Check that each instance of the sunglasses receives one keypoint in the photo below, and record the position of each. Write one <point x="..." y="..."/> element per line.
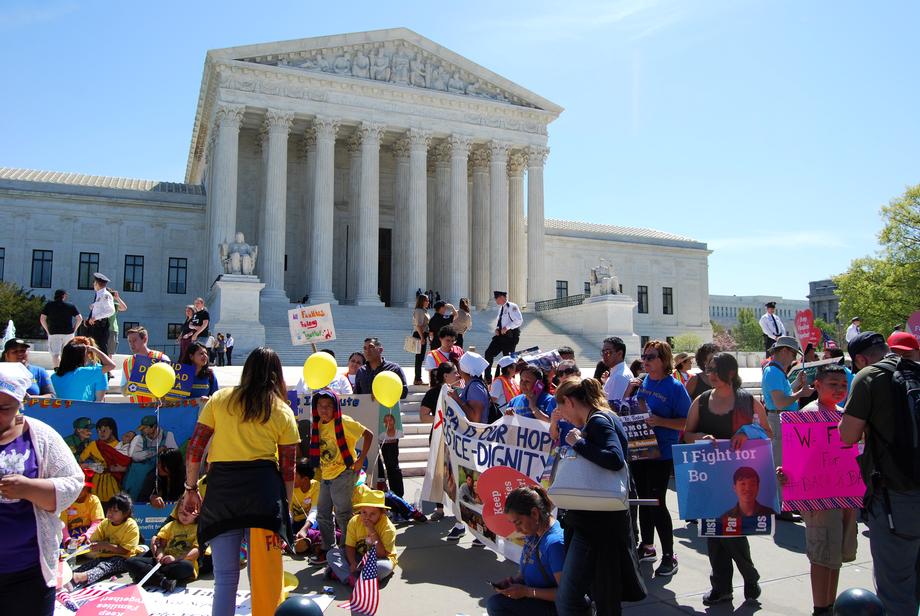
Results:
<point x="650" y="356"/>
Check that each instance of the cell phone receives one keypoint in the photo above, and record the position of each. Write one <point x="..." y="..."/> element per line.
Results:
<point x="538" y="388"/>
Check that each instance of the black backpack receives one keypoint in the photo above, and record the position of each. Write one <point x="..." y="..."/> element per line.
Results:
<point x="905" y="450"/>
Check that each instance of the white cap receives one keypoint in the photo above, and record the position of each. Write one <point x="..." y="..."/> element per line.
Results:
<point x="473" y="363"/>
<point x="15" y="379"/>
<point x="505" y="361"/>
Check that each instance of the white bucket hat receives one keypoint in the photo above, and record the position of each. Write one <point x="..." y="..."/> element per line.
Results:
<point x="473" y="364"/>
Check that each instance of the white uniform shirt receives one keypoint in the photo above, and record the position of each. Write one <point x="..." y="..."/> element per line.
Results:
<point x="104" y="306"/>
<point x="616" y="383"/>
<point x="852" y="331"/>
<point x="772" y="325"/>
<point x="511" y="318"/>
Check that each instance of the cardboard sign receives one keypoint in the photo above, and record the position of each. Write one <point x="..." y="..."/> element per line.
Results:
<point x="311" y="324"/>
<point x="495" y="484"/>
<point x="806" y="329"/>
<point x="713" y="480"/>
<point x="128" y="600"/>
<point x="643" y="445"/>
<point x="913" y="324"/>
<point x="185" y="376"/>
<point x="822" y="471"/>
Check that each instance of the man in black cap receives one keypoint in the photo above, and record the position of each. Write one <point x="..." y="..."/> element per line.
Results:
<point x="772" y="327"/>
<point x="874" y="412"/>
<point x="100" y="311"/>
<point x="507" y="330"/>
<point x="853" y="330"/>
<point x="60" y="319"/>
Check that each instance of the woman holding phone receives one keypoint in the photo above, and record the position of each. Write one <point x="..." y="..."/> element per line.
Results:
<point x="534" y="400"/>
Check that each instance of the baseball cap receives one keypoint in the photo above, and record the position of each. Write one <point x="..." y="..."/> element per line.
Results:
<point x="82" y="423"/>
<point x="15" y="379"/>
<point x="14" y="343"/>
<point x="903" y="341"/>
<point x="863" y="341"/>
<point x="149" y="421"/>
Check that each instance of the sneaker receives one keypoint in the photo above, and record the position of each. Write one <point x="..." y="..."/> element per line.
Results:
<point x="418" y="516"/>
<point x="647" y="553"/>
<point x="478" y="544"/>
<point x="318" y="559"/>
<point x="327" y="574"/>
<point x="751" y="592"/>
<point x="712" y="598"/>
<point x="168" y="585"/>
<point x="437" y="515"/>
<point x="668" y="566"/>
<point x="455" y="533"/>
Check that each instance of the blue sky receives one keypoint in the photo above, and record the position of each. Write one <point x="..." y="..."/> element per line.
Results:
<point x="772" y="130"/>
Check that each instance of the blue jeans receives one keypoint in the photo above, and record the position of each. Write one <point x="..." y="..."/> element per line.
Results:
<point x="577" y="575"/>
<point x="225" y="554"/>
<point x="500" y="605"/>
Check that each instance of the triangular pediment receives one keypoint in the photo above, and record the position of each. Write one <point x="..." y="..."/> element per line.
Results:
<point x="399" y="57"/>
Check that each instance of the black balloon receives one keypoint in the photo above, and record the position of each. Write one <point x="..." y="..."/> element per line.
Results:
<point x="858" y="602"/>
<point x="298" y="606"/>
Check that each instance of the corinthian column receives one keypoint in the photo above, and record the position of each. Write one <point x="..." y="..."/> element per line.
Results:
<point x="368" y="227"/>
<point x="274" y="211"/>
<point x="222" y="192"/>
<point x="402" y="230"/>
<point x="458" y="276"/>
<point x="309" y="146"/>
<point x="349" y="286"/>
<point x="479" y="241"/>
<point x="498" y="200"/>
<point x="517" y="248"/>
<point x="536" y="260"/>
<point x="441" y="222"/>
<point x="321" y="240"/>
<point x="416" y="213"/>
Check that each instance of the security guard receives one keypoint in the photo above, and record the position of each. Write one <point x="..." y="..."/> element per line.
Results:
<point x="507" y="330"/>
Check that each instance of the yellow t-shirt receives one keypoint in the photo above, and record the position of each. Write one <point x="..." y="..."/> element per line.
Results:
<point x="180" y="539"/>
<point x="356" y="535"/>
<point x="302" y="502"/>
<point x="126" y="535"/>
<point x="237" y="441"/>
<point x="330" y="459"/>
<point x="80" y="516"/>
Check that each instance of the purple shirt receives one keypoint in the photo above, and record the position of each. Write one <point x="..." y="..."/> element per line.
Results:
<point x="19" y="548"/>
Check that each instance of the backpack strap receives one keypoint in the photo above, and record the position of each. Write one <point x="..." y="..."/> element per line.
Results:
<point x="546" y="576"/>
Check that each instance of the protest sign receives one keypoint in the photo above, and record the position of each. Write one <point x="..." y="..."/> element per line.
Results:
<point x="643" y="445"/>
<point x="461" y="451"/>
<point x="821" y="469"/>
<point x="136" y="381"/>
<point x="311" y="324"/>
<point x="495" y="484"/>
<point x="127" y="600"/>
<point x="913" y="324"/>
<point x="713" y="480"/>
<point x="728" y="526"/>
<point x="806" y="329"/>
<point x="811" y="369"/>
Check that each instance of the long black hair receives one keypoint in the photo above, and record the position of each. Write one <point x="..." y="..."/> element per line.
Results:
<point x="187" y="358"/>
<point x="172" y="484"/>
<point x="108" y="422"/>
<point x="524" y="500"/>
<point x="261" y="383"/>
<point x="73" y="356"/>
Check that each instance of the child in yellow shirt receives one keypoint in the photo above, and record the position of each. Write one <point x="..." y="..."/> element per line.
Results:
<point x="175" y="547"/>
<point x="303" y="515"/>
<point x="370" y="526"/>
<point x="112" y="543"/>
<point x="82" y="518"/>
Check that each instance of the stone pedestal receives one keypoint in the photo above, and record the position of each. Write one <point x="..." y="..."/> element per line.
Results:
<point x="233" y="303"/>
<point x="598" y="318"/>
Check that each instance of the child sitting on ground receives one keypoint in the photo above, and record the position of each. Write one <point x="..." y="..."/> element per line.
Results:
<point x="830" y="535"/>
<point x="303" y="516"/>
<point x="370" y="526"/>
<point x="83" y="517"/>
<point x="175" y="547"/>
<point x="114" y="541"/>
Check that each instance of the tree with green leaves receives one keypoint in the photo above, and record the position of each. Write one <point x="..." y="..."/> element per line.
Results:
<point x="23" y="308"/>
<point x="687" y="343"/>
<point x="747" y="333"/>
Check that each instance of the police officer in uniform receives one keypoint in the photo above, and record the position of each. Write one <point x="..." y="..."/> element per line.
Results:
<point x="507" y="330"/>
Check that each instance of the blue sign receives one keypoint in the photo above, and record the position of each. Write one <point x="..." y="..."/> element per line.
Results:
<point x="137" y="384"/>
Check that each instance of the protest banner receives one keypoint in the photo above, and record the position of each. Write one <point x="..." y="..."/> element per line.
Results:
<point x="805" y="328"/>
<point x="821" y="469"/>
<point x="913" y="324"/>
<point x="729" y="526"/>
<point x="461" y="451"/>
<point x="643" y="445"/>
<point x="811" y="369"/>
<point x="137" y="384"/>
<point x="713" y="480"/>
<point x="311" y="324"/>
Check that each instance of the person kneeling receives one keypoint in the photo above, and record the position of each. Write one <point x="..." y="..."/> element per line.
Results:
<point x="370" y="526"/>
<point x="175" y="548"/>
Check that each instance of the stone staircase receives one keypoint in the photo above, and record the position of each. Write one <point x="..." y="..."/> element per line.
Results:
<point x="413" y="447"/>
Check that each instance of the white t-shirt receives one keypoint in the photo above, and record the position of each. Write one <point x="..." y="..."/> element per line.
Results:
<point x="620" y="376"/>
<point x="497" y="391"/>
<point x="340" y="385"/>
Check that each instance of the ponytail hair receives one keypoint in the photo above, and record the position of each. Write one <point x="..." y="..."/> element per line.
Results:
<point x="524" y="500"/>
<point x="586" y="391"/>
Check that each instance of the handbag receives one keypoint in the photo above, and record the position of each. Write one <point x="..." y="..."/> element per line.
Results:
<point x="412" y="345"/>
<point x="579" y="484"/>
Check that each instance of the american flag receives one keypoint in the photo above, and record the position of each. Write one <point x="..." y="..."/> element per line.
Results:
<point x="75" y="599"/>
<point x="366" y="596"/>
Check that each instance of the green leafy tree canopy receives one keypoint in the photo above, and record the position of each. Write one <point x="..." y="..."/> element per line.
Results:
<point x="23" y="308"/>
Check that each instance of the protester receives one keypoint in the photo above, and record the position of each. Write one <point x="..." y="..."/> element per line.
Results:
<point x="699" y="382"/>
<point x="834" y="352"/>
<point x="566" y="353"/>
<point x="420" y="332"/>
<point x="566" y="370"/>
<point x="600" y="558"/>
<point x="204" y="383"/>
<point x="364" y="379"/>
<point x="370" y="527"/>
<point x="445" y="351"/>
<point x="101" y="310"/>
<point x="534" y="400"/>
<point x="17" y="350"/>
<point x="137" y="342"/>
<point x="229" y="343"/>
<point x="145" y="447"/>
<point x="444" y="314"/>
<point x="175" y="549"/>
<point x="613" y="354"/>
<point x="200" y="322"/>
<point x="355" y="361"/>
<point x="720" y="413"/>
<point x="463" y="321"/>
<point x="389" y="455"/>
<point x="113" y="542"/>
<point x="853" y="330"/>
<point x="253" y="437"/>
<point x="82" y="517"/>
<point x="772" y="327"/>
<point x="830" y="534"/>
<point x="107" y="463"/>
<point x="446" y="373"/>
<point x="164" y="484"/>
<point x="120" y="306"/>
<point x="682" y="368"/>
<point x="221" y="349"/>
<point x="41" y="480"/>
<point x="78" y="377"/>
<point x="333" y="438"/>
<point x="533" y="591"/>
<point x="60" y="319"/>
<point x="303" y="515"/>
<point x="507" y="330"/>
<point x="878" y="412"/>
<point x="504" y="387"/>
<point x="905" y="345"/>
<point x="185" y="334"/>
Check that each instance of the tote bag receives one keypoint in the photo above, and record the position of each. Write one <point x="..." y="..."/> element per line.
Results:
<point x="412" y="345"/>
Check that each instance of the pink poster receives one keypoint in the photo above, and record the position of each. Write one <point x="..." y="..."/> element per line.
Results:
<point x="821" y="470"/>
<point x="805" y="327"/>
<point x="913" y="324"/>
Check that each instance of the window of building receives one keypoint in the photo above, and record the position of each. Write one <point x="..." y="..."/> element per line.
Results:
<point x="667" y="300"/>
<point x="89" y="265"/>
<point x="134" y="273"/>
<point x="562" y="288"/>
<point x="2" y="261"/>
<point x="178" y="272"/>
<point x="644" y="340"/>
<point x="642" y="297"/>
<point x="41" y="268"/>
<point x="587" y="288"/>
<point x="173" y="330"/>
<point x="126" y="325"/>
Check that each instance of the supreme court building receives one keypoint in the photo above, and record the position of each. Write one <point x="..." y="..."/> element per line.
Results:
<point x="364" y="166"/>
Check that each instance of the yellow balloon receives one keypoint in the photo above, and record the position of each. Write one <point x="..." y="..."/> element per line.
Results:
<point x="160" y="379"/>
<point x="319" y="370"/>
<point x="387" y="388"/>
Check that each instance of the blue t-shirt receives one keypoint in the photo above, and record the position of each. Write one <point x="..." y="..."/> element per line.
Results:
<point x="80" y="384"/>
<point x="40" y="380"/>
<point x="551" y="550"/>
<point x="774" y="379"/>
<point x="19" y="548"/>
<point x="519" y="404"/>
<point x="203" y="386"/>
<point x="476" y="390"/>
<point x="669" y="399"/>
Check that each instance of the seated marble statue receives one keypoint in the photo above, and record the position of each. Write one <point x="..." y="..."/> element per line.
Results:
<point x="238" y="257"/>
